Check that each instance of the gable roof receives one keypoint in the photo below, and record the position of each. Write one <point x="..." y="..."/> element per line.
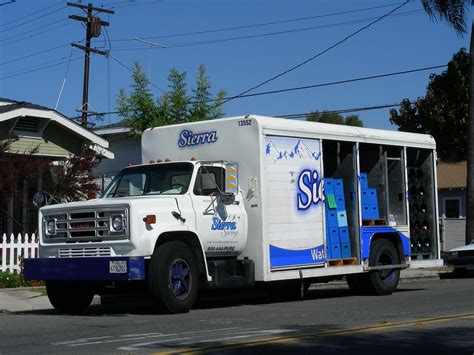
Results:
<point x="119" y="127"/>
<point x="11" y="109"/>
<point x="451" y="175"/>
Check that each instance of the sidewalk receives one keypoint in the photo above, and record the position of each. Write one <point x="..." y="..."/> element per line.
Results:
<point x="31" y="299"/>
<point x="23" y="299"/>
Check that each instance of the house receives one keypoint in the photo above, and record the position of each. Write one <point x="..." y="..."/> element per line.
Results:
<point x="127" y="151"/>
<point x="452" y="180"/>
<point x="52" y="135"/>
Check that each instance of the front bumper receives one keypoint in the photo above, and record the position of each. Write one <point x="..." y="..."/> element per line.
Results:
<point x="120" y="268"/>
<point x="466" y="262"/>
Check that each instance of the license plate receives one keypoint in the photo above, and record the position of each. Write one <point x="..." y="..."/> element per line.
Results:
<point x="118" y="267"/>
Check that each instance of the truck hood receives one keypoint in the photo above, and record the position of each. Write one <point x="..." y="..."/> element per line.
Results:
<point x="102" y="202"/>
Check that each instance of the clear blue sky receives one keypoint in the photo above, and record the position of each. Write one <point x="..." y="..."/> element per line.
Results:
<point x="406" y="41"/>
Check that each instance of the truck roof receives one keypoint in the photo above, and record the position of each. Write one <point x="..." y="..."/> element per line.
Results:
<point x="283" y="127"/>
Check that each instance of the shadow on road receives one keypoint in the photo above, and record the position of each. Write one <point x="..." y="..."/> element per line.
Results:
<point x="417" y="340"/>
<point x="142" y="304"/>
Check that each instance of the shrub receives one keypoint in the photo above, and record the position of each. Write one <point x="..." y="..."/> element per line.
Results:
<point x="11" y="279"/>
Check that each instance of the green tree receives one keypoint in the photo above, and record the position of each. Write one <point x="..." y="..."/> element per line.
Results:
<point x="454" y="12"/>
<point x="335" y="118"/>
<point x="443" y="112"/>
<point x="142" y="111"/>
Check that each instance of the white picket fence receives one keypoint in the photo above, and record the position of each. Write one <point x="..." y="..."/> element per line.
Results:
<point x="15" y="249"/>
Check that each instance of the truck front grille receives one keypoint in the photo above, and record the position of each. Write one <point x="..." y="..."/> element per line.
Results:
<point x="83" y="252"/>
<point x="86" y="225"/>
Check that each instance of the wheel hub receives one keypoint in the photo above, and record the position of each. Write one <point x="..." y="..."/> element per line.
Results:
<point x="180" y="278"/>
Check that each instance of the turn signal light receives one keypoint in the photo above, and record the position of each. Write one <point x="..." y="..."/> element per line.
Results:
<point x="150" y="219"/>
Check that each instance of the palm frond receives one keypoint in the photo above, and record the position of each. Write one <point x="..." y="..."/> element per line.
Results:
<point x="452" y="11"/>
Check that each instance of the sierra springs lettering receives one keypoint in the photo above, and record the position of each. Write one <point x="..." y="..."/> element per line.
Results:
<point x="218" y="225"/>
<point x="310" y="189"/>
<point x="188" y="138"/>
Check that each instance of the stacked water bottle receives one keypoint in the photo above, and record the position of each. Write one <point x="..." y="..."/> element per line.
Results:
<point x="337" y="232"/>
<point x="419" y="216"/>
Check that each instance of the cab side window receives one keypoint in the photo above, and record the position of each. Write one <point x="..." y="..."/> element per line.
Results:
<point x="209" y="181"/>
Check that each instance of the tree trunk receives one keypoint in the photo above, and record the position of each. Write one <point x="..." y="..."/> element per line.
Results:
<point x="470" y="152"/>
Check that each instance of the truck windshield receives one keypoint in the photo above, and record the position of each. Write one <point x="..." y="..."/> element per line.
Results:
<point x="153" y="179"/>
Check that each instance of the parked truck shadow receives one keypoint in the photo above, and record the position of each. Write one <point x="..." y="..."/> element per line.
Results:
<point x="142" y="304"/>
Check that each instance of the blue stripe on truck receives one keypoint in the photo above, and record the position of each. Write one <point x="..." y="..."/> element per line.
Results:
<point x="86" y="268"/>
<point x="280" y="257"/>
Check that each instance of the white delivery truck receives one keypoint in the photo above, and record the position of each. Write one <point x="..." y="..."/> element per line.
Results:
<point x="247" y="200"/>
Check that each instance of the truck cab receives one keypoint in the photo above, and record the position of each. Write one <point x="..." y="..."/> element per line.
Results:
<point x="194" y="205"/>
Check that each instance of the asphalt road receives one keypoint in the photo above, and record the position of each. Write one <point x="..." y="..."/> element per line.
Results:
<point x="429" y="317"/>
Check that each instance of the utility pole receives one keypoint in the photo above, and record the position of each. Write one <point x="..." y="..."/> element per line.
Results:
<point x="93" y="29"/>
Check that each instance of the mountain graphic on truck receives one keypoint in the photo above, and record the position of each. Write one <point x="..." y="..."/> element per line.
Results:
<point x="299" y="151"/>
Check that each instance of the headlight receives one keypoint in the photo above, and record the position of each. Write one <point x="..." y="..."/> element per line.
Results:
<point x="51" y="227"/>
<point x="117" y="223"/>
<point x="454" y="253"/>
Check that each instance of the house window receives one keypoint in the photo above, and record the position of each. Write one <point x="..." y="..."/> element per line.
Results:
<point x="452" y="207"/>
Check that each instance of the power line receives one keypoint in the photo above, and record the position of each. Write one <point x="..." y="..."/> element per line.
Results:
<point x="30" y="14"/>
<point x="300" y="115"/>
<point x="325" y="84"/>
<point x="268" y="34"/>
<point x="341" y="111"/>
<point x="7" y="3"/>
<point x="131" y="71"/>
<point x="258" y="24"/>
<point x="339" y="82"/>
<point x="64" y="80"/>
<point x="32" y="35"/>
<point x="33" y="30"/>
<point x="32" y="20"/>
<point x="34" y="54"/>
<point x="137" y="4"/>
<point x="318" y="54"/>
<point x="38" y="68"/>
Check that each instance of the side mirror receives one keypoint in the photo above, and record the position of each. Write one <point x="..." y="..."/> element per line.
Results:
<point x="227" y="198"/>
<point x="39" y="199"/>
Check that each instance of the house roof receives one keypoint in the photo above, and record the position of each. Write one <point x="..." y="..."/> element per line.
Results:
<point x="114" y="128"/>
<point x="11" y="109"/>
<point x="452" y="175"/>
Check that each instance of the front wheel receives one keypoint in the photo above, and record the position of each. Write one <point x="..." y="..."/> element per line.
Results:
<point x="174" y="276"/>
<point x="69" y="297"/>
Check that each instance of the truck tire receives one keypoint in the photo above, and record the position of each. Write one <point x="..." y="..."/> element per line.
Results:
<point x="174" y="277"/>
<point x="69" y="297"/>
<point x="383" y="282"/>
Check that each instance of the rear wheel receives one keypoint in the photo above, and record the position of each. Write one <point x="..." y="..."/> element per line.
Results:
<point x="69" y="297"/>
<point x="383" y="282"/>
<point x="174" y="276"/>
<point x="378" y="282"/>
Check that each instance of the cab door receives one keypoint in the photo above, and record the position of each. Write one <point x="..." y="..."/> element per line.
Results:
<point x="221" y="224"/>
